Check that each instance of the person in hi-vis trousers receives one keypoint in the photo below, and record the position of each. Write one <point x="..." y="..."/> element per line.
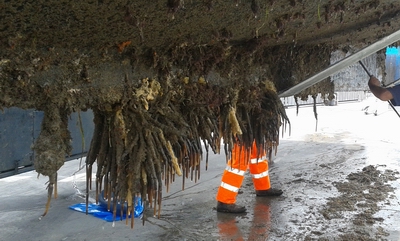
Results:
<point x="233" y="176"/>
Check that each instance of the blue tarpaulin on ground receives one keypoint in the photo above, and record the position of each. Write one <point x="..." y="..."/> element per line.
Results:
<point x="101" y="212"/>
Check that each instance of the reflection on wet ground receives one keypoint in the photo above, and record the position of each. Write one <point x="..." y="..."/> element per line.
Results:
<point x="230" y="229"/>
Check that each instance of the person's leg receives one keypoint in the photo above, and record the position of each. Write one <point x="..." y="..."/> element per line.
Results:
<point x="232" y="179"/>
<point x="259" y="170"/>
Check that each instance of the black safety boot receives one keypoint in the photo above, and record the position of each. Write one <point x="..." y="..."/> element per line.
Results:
<point x="269" y="193"/>
<point x="230" y="208"/>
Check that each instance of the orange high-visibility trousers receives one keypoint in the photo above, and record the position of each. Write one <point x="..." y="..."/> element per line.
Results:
<point x="233" y="176"/>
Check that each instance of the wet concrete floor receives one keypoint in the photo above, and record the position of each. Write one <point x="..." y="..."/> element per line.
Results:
<point x="311" y="164"/>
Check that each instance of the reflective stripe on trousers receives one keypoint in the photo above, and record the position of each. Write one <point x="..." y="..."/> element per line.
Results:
<point x="233" y="175"/>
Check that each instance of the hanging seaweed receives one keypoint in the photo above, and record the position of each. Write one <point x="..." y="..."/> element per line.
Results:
<point x="315" y="111"/>
<point x="156" y="133"/>
<point x="51" y="147"/>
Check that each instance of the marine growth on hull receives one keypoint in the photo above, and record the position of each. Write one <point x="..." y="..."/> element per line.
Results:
<point x="159" y="129"/>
